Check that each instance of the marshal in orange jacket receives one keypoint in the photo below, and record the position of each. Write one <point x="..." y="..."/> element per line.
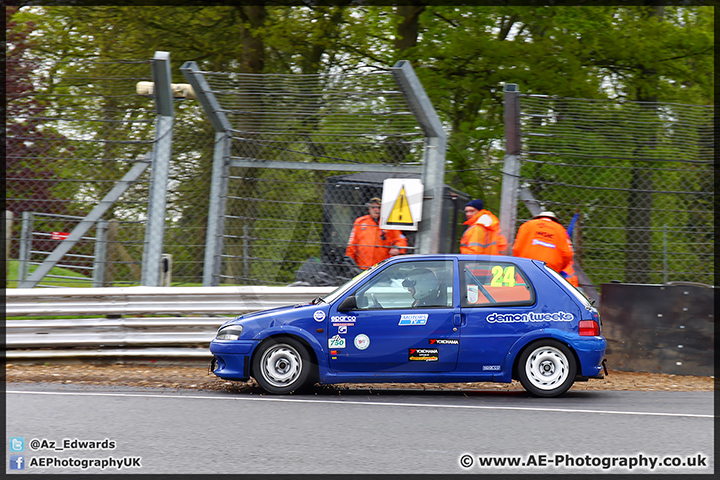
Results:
<point x="569" y="274"/>
<point x="543" y="238"/>
<point x="369" y="244"/>
<point x="483" y="236"/>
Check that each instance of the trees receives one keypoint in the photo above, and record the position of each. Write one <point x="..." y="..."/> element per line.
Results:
<point x="30" y="145"/>
<point x="462" y="54"/>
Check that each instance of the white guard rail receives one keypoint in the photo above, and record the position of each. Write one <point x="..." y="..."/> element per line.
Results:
<point x="189" y="318"/>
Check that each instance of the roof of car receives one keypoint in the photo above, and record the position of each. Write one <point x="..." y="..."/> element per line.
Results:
<point x="461" y="256"/>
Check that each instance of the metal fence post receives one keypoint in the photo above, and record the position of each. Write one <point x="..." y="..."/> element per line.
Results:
<point x="433" y="176"/>
<point x="216" y="214"/>
<point x="25" y="246"/>
<point x="511" y="168"/>
<point x="220" y="171"/>
<point x="157" y="201"/>
<point x="8" y="233"/>
<point x="100" y="254"/>
<point x="166" y="270"/>
<point x="112" y="253"/>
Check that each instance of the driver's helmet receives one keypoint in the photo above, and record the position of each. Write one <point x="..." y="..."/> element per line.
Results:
<point x="424" y="282"/>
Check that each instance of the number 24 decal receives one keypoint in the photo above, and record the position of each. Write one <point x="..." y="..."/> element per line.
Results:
<point x="503" y="277"/>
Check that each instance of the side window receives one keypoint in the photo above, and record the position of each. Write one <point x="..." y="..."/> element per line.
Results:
<point x="494" y="283"/>
<point x="409" y="285"/>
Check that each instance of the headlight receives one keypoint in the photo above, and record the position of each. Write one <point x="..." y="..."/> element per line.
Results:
<point x="231" y="332"/>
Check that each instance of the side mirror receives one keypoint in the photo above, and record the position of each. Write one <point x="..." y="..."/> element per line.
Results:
<point x="350" y="303"/>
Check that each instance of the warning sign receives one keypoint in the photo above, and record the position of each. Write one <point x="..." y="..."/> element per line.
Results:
<point x="400" y="213"/>
<point x="401" y="204"/>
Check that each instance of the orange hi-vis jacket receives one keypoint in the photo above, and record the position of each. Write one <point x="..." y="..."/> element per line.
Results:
<point x="483" y="236"/>
<point x="544" y="239"/>
<point x="569" y="274"/>
<point x="369" y="244"/>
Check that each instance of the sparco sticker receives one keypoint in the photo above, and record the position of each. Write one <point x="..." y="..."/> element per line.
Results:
<point x="319" y="316"/>
<point x="423" y="354"/>
<point x="343" y="319"/>
<point x="413" y="319"/>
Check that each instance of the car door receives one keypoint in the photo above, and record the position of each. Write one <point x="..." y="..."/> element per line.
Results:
<point x="391" y="331"/>
<point x="496" y="296"/>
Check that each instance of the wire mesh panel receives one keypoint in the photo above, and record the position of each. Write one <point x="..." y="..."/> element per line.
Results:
<point x="639" y="174"/>
<point x="294" y="139"/>
<point x="69" y="139"/>
<point x="71" y="136"/>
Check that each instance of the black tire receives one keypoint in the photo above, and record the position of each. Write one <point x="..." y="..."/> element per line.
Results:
<point x="546" y="368"/>
<point x="282" y="366"/>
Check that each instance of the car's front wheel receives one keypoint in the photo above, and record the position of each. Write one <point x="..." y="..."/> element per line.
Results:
<point x="282" y="366"/>
<point x="547" y="368"/>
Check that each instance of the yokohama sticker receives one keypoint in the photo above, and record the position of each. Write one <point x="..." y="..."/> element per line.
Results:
<point x="423" y="354"/>
<point x="444" y="341"/>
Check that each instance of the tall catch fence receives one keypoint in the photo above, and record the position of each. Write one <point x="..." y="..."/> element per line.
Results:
<point x="74" y="131"/>
<point x="68" y="140"/>
<point x="640" y="176"/>
<point x="285" y="164"/>
<point x="299" y="158"/>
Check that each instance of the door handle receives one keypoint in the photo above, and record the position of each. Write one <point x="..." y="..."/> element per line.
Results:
<point x="458" y="320"/>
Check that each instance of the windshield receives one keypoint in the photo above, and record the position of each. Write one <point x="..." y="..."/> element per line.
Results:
<point x="577" y="293"/>
<point x="351" y="283"/>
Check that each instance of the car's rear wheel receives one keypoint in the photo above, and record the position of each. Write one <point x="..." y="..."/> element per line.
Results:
<point x="282" y="366"/>
<point x="547" y="368"/>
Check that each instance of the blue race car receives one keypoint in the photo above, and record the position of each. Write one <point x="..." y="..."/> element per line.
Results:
<point x="424" y="319"/>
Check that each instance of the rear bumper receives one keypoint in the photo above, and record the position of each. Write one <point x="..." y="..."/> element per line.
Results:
<point x="591" y="352"/>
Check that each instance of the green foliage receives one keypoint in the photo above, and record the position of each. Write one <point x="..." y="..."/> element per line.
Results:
<point x="463" y="56"/>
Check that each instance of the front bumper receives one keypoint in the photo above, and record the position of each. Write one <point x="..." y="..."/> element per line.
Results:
<point x="231" y="359"/>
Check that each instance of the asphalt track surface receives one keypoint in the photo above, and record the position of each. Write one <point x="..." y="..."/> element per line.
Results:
<point x="161" y="431"/>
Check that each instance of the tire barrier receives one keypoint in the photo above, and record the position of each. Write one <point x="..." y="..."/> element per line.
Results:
<point x="659" y="328"/>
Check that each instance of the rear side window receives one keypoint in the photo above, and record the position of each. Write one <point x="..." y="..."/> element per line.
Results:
<point x="494" y="283"/>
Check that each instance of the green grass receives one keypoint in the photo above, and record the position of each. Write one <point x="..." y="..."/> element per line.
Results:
<point x="82" y="280"/>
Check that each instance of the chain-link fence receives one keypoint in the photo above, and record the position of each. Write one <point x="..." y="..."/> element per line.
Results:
<point x="640" y="176"/>
<point x="301" y="164"/>
<point x="307" y="152"/>
<point x="73" y="132"/>
<point x="300" y="168"/>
